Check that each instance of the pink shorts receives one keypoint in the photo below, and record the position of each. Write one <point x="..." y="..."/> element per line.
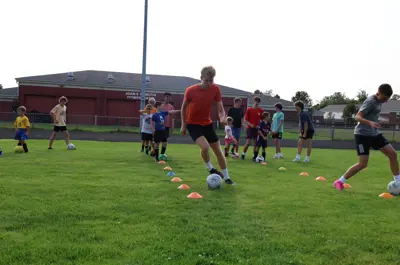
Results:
<point x="228" y="141"/>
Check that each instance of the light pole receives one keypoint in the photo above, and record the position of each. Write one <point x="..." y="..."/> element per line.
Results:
<point x="143" y="92"/>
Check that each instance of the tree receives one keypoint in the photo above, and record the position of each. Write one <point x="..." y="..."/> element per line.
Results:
<point x="334" y="99"/>
<point x="395" y="97"/>
<point x="277" y="96"/>
<point x="1" y="86"/>
<point x="349" y="111"/>
<point x="257" y="92"/>
<point x="361" y="96"/>
<point x="268" y="93"/>
<point x="303" y="97"/>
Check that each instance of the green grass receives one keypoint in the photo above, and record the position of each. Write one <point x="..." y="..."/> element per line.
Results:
<point x="105" y="203"/>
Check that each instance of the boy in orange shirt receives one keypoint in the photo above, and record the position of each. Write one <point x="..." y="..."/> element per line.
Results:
<point x="195" y="116"/>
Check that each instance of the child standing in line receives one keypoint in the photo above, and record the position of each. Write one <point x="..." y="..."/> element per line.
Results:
<point x="264" y="130"/>
<point x="158" y="128"/>
<point x="229" y="137"/>
<point x="277" y="129"/>
<point x="22" y="127"/>
<point x="147" y="133"/>
<point x="59" y="115"/>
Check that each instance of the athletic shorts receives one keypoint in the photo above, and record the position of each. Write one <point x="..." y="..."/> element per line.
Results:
<point x="167" y="132"/>
<point x="251" y="133"/>
<point x="277" y="135"/>
<point x="309" y="135"/>
<point x="196" y="131"/>
<point x="20" y="135"/>
<point x="147" y="136"/>
<point x="160" y="137"/>
<point x="236" y="132"/>
<point x="261" y="142"/>
<point x="60" y="128"/>
<point x="364" y="143"/>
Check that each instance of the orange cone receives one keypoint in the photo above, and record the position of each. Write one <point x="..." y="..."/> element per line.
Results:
<point x="346" y="186"/>
<point x="303" y="174"/>
<point x="320" y="178"/>
<point x="167" y="168"/>
<point x="161" y="162"/>
<point x="183" y="187"/>
<point x="386" y="195"/>
<point x="194" y="195"/>
<point x="264" y="163"/>
<point x="176" y="179"/>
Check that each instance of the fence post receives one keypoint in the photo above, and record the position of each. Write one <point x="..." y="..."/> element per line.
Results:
<point x="34" y="118"/>
<point x="95" y="120"/>
<point x="117" y="123"/>
<point x="333" y="132"/>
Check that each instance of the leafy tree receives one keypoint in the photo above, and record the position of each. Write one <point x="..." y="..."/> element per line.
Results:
<point x="334" y="99"/>
<point x="349" y="111"/>
<point x="303" y="97"/>
<point x="395" y="97"/>
<point x="361" y="96"/>
<point x="277" y="96"/>
<point x="257" y="92"/>
<point x="1" y="86"/>
<point x="268" y="93"/>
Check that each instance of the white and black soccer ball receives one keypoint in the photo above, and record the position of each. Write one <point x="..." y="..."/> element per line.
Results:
<point x="259" y="159"/>
<point x="214" y="181"/>
<point x="394" y="188"/>
<point x="71" y="147"/>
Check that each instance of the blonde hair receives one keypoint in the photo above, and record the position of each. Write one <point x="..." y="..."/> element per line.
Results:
<point x="208" y="71"/>
<point x="229" y="119"/>
<point x="22" y="108"/>
<point x="62" y="98"/>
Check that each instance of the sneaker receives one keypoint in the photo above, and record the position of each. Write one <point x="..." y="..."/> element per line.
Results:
<point x="306" y="160"/>
<point x="230" y="182"/>
<point x="243" y="156"/>
<point x="276" y="156"/>
<point x="296" y="160"/>
<point x="338" y="185"/>
<point x="50" y="148"/>
<point x="280" y="156"/>
<point x="214" y="171"/>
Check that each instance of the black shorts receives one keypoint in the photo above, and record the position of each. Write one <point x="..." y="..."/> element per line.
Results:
<point x="364" y="143"/>
<point x="277" y="135"/>
<point x="261" y="142"/>
<point x="167" y="132"/>
<point x="147" y="137"/>
<point x="60" y="128"/>
<point x="309" y="135"/>
<point x="197" y="131"/>
<point x="251" y="133"/>
<point x="160" y="137"/>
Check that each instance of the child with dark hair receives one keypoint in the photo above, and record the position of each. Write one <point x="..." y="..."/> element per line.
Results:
<point x="264" y="130"/>
<point x="306" y="132"/>
<point x="367" y="135"/>
<point x="277" y="129"/>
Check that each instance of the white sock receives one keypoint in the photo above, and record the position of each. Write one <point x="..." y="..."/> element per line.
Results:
<point x="342" y="179"/>
<point x="243" y="153"/>
<point x="397" y="177"/>
<point x="307" y="158"/>
<point x="225" y="173"/>
<point x="209" y="166"/>
<point x="297" y="156"/>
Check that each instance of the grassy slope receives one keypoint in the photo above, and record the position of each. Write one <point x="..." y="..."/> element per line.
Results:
<point x="105" y="203"/>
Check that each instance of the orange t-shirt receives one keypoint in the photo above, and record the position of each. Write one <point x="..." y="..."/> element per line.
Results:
<point x="152" y="111"/>
<point x="200" y="103"/>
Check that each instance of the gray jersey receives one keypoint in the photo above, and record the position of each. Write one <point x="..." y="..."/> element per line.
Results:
<point x="371" y="108"/>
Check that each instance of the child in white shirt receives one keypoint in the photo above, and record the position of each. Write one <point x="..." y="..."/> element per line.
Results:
<point x="229" y="139"/>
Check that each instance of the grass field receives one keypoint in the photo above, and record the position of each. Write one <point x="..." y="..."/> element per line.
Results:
<point x="106" y="203"/>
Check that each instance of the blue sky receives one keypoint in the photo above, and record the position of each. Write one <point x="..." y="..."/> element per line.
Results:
<point x="319" y="46"/>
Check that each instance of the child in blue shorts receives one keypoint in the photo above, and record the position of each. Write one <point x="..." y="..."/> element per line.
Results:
<point x="22" y="127"/>
<point x="264" y="130"/>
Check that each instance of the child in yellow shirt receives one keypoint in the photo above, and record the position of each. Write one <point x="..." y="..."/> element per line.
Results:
<point x="22" y="126"/>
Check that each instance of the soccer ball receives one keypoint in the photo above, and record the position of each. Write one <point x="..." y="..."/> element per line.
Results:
<point x="71" y="147"/>
<point x="19" y="149"/>
<point x="163" y="157"/>
<point x="259" y="159"/>
<point x="214" y="181"/>
<point x="394" y="188"/>
<point x="235" y="155"/>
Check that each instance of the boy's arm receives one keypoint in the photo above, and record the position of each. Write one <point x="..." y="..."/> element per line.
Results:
<point x="28" y="126"/>
<point x="153" y="126"/>
<point x="53" y="113"/>
<point x="174" y="111"/>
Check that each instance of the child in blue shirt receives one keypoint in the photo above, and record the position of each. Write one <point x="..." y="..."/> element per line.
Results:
<point x="264" y="130"/>
<point x="158" y="126"/>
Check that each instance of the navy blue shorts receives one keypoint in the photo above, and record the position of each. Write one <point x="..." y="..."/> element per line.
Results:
<point x="20" y="135"/>
<point x="261" y="142"/>
<point x="236" y="132"/>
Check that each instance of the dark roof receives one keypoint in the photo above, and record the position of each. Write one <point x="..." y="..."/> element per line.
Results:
<point x="9" y="92"/>
<point x="130" y="81"/>
<point x="269" y="102"/>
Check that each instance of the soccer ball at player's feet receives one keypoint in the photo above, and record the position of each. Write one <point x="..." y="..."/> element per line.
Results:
<point x="71" y="147"/>
<point x="259" y="159"/>
<point x="163" y="157"/>
<point x="227" y="181"/>
<point x="394" y="187"/>
<point x="235" y="155"/>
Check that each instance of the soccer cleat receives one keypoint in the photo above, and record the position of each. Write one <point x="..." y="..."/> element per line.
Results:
<point x="338" y="185"/>
<point x="230" y="182"/>
<point x="214" y="171"/>
<point x="50" y="148"/>
<point x="296" y="160"/>
<point x="306" y="160"/>
<point x="243" y="156"/>
<point x="280" y="156"/>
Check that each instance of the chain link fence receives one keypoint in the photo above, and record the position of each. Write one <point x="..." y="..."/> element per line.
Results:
<point x="323" y="131"/>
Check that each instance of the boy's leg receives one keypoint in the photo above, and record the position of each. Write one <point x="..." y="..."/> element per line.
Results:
<point x="249" y="137"/>
<point x="216" y="147"/>
<point x="263" y="154"/>
<point x="389" y="151"/>
<point x="351" y="171"/>
<point x="239" y="132"/>
<point x="67" y="137"/>
<point x="164" y="147"/>
<point x="255" y="153"/>
<point x="309" y="148"/>
<point x="19" y="143"/>
<point x="52" y="137"/>
<point x="143" y="144"/>
<point x="25" y="146"/>
<point x="300" y="144"/>
<point x="227" y="148"/>
<point x="156" y="151"/>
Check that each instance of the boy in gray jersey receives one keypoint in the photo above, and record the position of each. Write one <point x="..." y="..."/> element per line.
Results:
<point x="367" y="135"/>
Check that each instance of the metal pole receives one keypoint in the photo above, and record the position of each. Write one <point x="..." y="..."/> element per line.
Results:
<point x="143" y="92"/>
